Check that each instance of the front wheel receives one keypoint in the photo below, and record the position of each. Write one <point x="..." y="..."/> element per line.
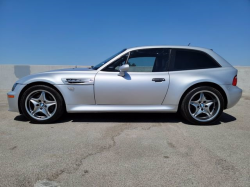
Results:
<point x="42" y="104"/>
<point x="202" y="105"/>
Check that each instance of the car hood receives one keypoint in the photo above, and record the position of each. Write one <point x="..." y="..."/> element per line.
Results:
<point x="56" y="76"/>
<point x="71" y="69"/>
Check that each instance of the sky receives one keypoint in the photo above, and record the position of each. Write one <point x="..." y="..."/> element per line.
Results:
<point x="79" y="32"/>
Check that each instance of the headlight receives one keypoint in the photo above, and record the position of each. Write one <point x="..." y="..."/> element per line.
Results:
<point x="14" y="86"/>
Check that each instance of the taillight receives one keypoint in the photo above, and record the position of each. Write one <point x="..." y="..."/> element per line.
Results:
<point x="234" y="83"/>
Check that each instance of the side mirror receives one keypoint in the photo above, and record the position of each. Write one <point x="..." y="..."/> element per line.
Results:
<point x="124" y="68"/>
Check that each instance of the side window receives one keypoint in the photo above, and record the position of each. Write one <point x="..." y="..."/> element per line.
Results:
<point x="143" y="60"/>
<point x="116" y="64"/>
<point x="191" y="59"/>
<point x="148" y="60"/>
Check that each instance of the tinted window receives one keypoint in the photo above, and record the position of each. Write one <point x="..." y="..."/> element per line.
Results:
<point x="191" y="59"/>
<point x="108" y="59"/>
<point x="148" y="60"/>
<point x="116" y="64"/>
<point x="144" y="60"/>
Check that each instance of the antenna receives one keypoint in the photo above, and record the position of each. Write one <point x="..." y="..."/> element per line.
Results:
<point x="189" y="44"/>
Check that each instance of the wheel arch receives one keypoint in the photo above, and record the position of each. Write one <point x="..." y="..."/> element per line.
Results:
<point x="33" y="84"/>
<point x="214" y="85"/>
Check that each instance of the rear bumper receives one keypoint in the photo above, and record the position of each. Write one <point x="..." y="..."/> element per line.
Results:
<point x="13" y="102"/>
<point x="234" y="94"/>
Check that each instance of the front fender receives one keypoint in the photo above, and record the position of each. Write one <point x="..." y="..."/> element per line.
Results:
<point x="41" y="77"/>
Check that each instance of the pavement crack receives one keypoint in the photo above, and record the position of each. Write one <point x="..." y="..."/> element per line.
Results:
<point x="78" y="163"/>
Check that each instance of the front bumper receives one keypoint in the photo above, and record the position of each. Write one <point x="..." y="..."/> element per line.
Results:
<point x="234" y="94"/>
<point x="13" y="102"/>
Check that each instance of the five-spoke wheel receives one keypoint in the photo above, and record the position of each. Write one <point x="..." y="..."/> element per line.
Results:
<point x="202" y="105"/>
<point x="42" y="104"/>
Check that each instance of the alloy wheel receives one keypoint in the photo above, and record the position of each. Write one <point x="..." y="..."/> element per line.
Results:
<point x="40" y="104"/>
<point x="204" y="106"/>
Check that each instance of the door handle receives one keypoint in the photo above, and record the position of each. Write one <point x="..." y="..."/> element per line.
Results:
<point x="158" y="79"/>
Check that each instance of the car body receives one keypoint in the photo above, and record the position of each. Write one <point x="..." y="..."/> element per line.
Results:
<point x="139" y="79"/>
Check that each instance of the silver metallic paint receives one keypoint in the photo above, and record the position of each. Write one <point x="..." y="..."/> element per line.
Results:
<point x="110" y="92"/>
<point x="13" y="102"/>
<point x="132" y="89"/>
<point x="121" y="108"/>
<point x="124" y="68"/>
<point x="80" y="95"/>
<point x="180" y="81"/>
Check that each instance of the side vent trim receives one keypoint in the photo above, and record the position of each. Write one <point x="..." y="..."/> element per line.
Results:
<point x="77" y="81"/>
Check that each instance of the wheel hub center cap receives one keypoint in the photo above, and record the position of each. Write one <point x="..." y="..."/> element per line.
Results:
<point x="202" y="105"/>
<point x="41" y="104"/>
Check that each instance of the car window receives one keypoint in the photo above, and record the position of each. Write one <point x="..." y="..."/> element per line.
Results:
<point x="105" y="61"/>
<point x="191" y="59"/>
<point x="141" y="64"/>
<point x="116" y="64"/>
<point x="144" y="60"/>
<point x="148" y="60"/>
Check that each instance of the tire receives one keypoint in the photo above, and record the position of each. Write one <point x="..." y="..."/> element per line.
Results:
<point x="202" y="105"/>
<point x="42" y="104"/>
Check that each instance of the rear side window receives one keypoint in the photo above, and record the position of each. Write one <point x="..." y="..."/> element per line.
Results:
<point x="191" y="59"/>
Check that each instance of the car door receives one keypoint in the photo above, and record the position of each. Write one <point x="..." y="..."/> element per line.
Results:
<point x="145" y="83"/>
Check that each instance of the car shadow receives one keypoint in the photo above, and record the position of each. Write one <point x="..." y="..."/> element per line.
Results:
<point x="129" y="118"/>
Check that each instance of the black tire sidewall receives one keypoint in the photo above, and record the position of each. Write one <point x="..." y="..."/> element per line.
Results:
<point x="60" y="103"/>
<point x="184" y="105"/>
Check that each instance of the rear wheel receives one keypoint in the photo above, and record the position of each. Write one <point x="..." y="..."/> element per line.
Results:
<point x="42" y="104"/>
<point x="202" y="105"/>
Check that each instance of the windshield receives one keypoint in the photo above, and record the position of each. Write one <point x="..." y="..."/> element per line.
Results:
<point x="105" y="61"/>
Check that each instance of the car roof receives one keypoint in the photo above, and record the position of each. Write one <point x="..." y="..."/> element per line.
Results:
<point x="169" y="46"/>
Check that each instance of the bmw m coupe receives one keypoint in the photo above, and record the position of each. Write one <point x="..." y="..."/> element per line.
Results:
<point x="195" y="81"/>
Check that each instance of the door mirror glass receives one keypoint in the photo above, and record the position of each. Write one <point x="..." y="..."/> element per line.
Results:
<point x="124" y="68"/>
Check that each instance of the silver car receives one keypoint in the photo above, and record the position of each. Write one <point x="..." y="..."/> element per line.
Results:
<point x="195" y="81"/>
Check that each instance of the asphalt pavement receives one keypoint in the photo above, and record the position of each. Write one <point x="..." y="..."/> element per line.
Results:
<point x="125" y="150"/>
